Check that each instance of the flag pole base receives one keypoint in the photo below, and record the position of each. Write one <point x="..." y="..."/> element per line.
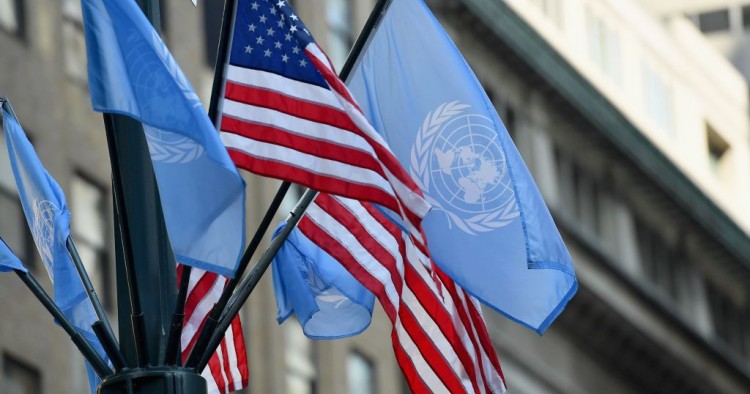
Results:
<point x="157" y="380"/>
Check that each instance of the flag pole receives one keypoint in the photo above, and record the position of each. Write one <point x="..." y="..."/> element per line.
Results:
<point x="103" y="329"/>
<point x="213" y="114"/>
<point x="100" y="367"/>
<point x="248" y="285"/>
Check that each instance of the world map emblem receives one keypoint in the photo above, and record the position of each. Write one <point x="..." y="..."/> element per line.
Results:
<point x="43" y="230"/>
<point x="459" y="163"/>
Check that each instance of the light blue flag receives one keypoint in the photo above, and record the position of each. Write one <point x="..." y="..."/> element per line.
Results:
<point x="131" y="72"/>
<point x="47" y="215"/>
<point x="489" y="229"/>
<point x="328" y="301"/>
<point x="8" y="260"/>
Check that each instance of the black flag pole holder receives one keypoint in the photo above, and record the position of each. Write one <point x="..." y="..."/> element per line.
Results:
<point x="147" y="358"/>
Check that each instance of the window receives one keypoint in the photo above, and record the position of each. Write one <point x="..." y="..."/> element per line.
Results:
<point x="340" y="36"/>
<point x="579" y="195"/>
<point x="661" y="264"/>
<point x="746" y="17"/>
<point x="74" y="42"/>
<point x="13" y="226"/>
<point x="299" y="354"/>
<point x="657" y="99"/>
<point x="552" y="9"/>
<point x="19" y="378"/>
<point x="731" y="322"/>
<point x="360" y="374"/>
<point x="603" y="46"/>
<point x="88" y="229"/>
<point x="717" y="148"/>
<point x="714" y="21"/>
<point x="212" y="16"/>
<point x="12" y="17"/>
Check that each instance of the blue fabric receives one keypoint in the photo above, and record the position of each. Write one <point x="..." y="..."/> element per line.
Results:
<point x="326" y="298"/>
<point x="48" y="218"/>
<point x="131" y="72"/>
<point x="489" y="229"/>
<point x="8" y="260"/>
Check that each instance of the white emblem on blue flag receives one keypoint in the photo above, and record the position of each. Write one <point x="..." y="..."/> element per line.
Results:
<point x="459" y="163"/>
<point x="45" y="212"/>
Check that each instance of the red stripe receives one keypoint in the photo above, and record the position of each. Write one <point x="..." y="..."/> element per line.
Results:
<point x="198" y="293"/>
<point x="429" y="350"/>
<point x="214" y="366"/>
<point x="301" y="143"/>
<point x="322" y="239"/>
<point x="333" y="80"/>
<point x="383" y="153"/>
<point x="290" y="105"/>
<point x="321" y="183"/>
<point x="416" y="384"/>
<point x="227" y="368"/>
<point x="436" y="309"/>
<point x="239" y="347"/>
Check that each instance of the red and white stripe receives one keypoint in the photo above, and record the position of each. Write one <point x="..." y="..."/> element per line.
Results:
<point x="439" y="336"/>
<point x="317" y="137"/>
<point x="227" y="369"/>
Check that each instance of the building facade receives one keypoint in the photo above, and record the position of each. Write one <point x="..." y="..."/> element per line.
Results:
<point x="633" y="123"/>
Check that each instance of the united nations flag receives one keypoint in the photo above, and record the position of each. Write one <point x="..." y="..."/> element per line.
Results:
<point x="489" y="229"/>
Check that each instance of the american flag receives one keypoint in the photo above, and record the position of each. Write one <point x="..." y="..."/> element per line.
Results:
<point x="285" y="114"/>
<point x="227" y="369"/>
<point x="439" y="335"/>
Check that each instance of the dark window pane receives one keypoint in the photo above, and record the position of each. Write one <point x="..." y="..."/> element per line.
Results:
<point x="746" y="16"/>
<point x="12" y="17"/>
<point x="15" y="230"/>
<point x="714" y="21"/>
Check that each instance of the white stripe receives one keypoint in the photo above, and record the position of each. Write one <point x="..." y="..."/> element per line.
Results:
<point x="425" y="372"/>
<point x="236" y="381"/>
<point x="213" y="387"/>
<point x="307" y="162"/>
<point x="286" y="86"/>
<point x="368" y="262"/>
<point x="297" y="126"/>
<point x="495" y="381"/>
<point x="316" y="52"/>
<point x="201" y="310"/>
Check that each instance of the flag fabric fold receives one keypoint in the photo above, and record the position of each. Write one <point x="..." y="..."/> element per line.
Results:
<point x="490" y="229"/>
<point x="131" y="72"/>
<point x="8" y="260"/>
<point x="227" y="370"/>
<point x="47" y="215"/>
<point x="327" y="300"/>
<point x="285" y="114"/>
<point x="439" y="336"/>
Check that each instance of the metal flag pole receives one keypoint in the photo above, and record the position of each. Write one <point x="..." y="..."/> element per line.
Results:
<point x="248" y="285"/>
<point x="100" y="367"/>
<point x="102" y="328"/>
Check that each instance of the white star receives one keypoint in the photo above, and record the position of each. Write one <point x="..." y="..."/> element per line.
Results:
<point x="284" y="58"/>
<point x="295" y="50"/>
<point x="252" y="27"/>
<point x="270" y="31"/>
<point x="294" y="17"/>
<point x="259" y="40"/>
<point x="293" y="28"/>
<point x="273" y="11"/>
<point x="248" y="49"/>
<point x="263" y="19"/>
<point x="255" y="5"/>
<point x="288" y="37"/>
<point x="280" y="23"/>
<point x="280" y="3"/>
<point x="302" y="63"/>
<point x="267" y="53"/>
<point x="278" y="44"/>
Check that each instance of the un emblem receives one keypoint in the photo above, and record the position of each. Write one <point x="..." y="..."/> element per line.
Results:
<point x="44" y="230"/>
<point x="460" y="165"/>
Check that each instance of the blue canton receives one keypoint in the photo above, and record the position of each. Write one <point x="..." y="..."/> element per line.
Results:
<point x="269" y="36"/>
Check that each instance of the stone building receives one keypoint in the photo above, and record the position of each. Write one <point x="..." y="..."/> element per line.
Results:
<point x="634" y="125"/>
